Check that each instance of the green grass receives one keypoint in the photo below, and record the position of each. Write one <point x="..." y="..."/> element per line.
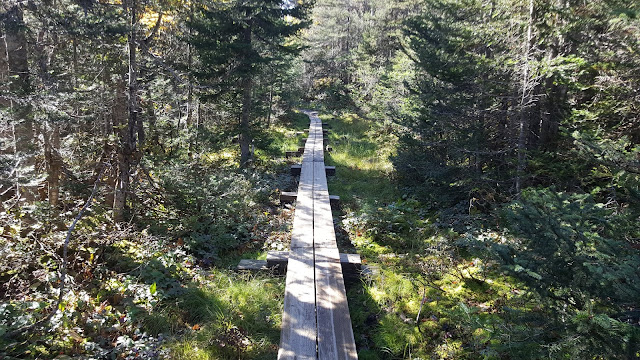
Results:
<point x="361" y="157"/>
<point x="420" y="269"/>
<point x="230" y="316"/>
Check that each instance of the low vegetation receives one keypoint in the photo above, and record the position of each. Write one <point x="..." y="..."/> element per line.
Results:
<point x="547" y="277"/>
<point x="487" y="157"/>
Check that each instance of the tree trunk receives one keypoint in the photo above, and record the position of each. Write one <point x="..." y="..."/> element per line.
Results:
<point x="245" y="129"/>
<point x="190" y="88"/>
<point x="525" y="99"/>
<point x="16" y="46"/>
<point x="51" y="135"/>
<point x="4" y="69"/>
<point x="133" y="126"/>
<point x="121" y="179"/>
<point x="270" y="104"/>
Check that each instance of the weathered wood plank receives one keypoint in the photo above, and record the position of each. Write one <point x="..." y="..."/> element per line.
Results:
<point x="299" y="331"/>
<point x="350" y="263"/>
<point x="323" y="231"/>
<point x="318" y="154"/>
<point x="307" y="155"/>
<point x="288" y="196"/>
<point x="302" y="233"/>
<point x="335" y="335"/>
<point x="295" y="169"/>
<point x="252" y="265"/>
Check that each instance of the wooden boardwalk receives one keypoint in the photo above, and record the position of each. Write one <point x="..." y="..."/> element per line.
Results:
<point x="316" y="322"/>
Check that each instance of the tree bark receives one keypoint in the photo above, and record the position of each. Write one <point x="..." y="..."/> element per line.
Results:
<point x="20" y="87"/>
<point x="121" y="180"/>
<point x="4" y="68"/>
<point x="51" y="135"/>
<point x="525" y="99"/>
<point x="133" y="126"/>
<point x="245" y="126"/>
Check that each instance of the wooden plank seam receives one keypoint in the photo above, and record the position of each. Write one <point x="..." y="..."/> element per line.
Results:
<point x="313" y="221"/>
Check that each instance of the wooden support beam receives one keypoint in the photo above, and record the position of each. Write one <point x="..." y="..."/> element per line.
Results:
<point x="252" y="265"/>
<point x="329" y="170"/>
<point x="326" y="125"/>
<point x="350" y="263"/>
<point x="328" y="149"/>
<point x="290" y="154"/>
<point x="290" y="196"/>
<point x="334" y="200"/>
<point x="277" y="261"/>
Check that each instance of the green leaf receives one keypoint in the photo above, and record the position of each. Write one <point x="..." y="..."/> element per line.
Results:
<point x="152" y="288"/>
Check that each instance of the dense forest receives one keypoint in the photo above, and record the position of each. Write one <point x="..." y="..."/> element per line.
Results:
<point x="487" y="156"/>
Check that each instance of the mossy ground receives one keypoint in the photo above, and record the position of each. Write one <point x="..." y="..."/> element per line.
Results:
<point x="426" y="298"/>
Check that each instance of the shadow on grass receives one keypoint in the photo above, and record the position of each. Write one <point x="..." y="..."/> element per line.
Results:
<point x="218" y="314"/>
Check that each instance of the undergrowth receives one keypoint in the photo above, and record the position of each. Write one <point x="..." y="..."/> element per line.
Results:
<point x="163" y="286"/>
<point x="451" y="284"/>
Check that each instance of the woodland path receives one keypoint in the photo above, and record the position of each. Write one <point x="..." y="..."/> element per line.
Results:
<point x="316" y="323"/>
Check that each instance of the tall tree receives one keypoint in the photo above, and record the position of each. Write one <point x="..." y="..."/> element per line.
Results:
<point x="20" y="88"/>
<point x="234" y="41"/>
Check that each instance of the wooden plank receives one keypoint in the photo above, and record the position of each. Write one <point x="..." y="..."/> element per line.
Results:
<point x="350" y="263"/>
<point x="288" y="196"/>
<point x="252" y="265"/>
<point x="309" y="148"/>
<point x="335" y="335"/>
<point x="295" y="169"/>
<point x="323" y="231"/>
<point x="299" y="330"/>
<point x="302" y="233"/>
<point x="318" y="154"/>
<point x="320" y="178"/>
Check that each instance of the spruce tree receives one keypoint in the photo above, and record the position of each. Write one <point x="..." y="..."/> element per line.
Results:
<point x="234" y="42"/>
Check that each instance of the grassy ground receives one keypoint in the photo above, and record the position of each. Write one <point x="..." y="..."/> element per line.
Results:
<point x="238" y="316"/>
<point x="166" y="287"/>
<point x="427" y="297"/>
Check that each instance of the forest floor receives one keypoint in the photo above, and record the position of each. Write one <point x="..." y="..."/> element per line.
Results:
<point x="166" y="286"/>
<point x="425" y="294"/>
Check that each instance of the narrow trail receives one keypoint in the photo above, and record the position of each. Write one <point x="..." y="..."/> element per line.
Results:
<point x="316" y="323"/>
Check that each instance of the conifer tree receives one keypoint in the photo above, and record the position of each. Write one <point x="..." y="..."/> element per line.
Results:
<point x="234" y="41"/>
